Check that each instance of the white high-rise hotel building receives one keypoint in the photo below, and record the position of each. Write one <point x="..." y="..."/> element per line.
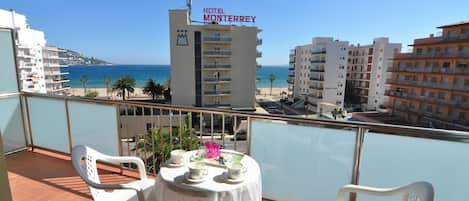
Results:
<point x="318" y="71"/>
<point x="367" y="72"/>
<point x="212" y="65"/>
<point x="38" y="64"/>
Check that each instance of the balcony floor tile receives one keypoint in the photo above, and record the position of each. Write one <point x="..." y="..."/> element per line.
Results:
<point x="43" y="175"/>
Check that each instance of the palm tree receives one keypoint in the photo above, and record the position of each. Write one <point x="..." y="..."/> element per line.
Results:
<point x="167" y="84"/>
<point x="84" y="80"/>
<point x="107" y="82"/>
<point x="124" y="84"/>
<point x="167" y="90"/>
<point x="271" y="79"/>
<point x="152" y="88"/>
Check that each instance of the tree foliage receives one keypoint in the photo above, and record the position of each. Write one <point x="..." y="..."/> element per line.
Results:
<point x="124" y="84"/>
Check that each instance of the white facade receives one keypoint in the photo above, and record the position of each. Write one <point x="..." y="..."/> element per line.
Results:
<point x="36" y="62"/>
<point x="367" y="72"/>
<point x="212" y="65"/>
<point x="318" y="72"/>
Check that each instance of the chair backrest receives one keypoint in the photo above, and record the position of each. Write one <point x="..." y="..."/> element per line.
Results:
<point x="84" y="161"/>
<point x="418" y="191"/>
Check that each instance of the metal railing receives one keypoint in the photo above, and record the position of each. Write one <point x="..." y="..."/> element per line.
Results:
<point x="432" y="55"/>
<point x="215" y="79"/>
<point x="218" y="38"/>
<point x="428" y="84"/>
<point x="217" y="65"/>
<point x="439" y="70"/>
<point x="218" y="52"/>
<point x="232" y="129"/>
<point x="218" y="92"/>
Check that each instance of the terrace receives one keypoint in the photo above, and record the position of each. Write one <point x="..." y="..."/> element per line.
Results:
<point x="300" y="159"/>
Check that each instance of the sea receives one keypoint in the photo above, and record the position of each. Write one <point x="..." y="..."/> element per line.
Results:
<point x="160" y="73"/>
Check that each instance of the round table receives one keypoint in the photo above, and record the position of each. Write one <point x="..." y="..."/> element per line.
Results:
<point x="172" y="185"/>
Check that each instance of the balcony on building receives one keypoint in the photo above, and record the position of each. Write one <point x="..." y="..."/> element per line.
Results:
<point x="317" y="69"/>
<point x="258" y="54"/>
<point x="217" y="66"/>
<point x="55" y="73"/>
<point x="217" y="39"/>
<point x="317" y="60"/>
<point x="316" y="86"/>
<point x="58" y="88"/>
<point x="217" y="80"/>
<point x="431" y="84"/>
<point x="433" y="55"/>
<point x="259" y="41"/>
<point x="291" y="67"/>
<point x="439" y="39"/>
<point x="258" y="66"/>
<point x="316" y="78"/>
<point x="217" y="93"/>
<point x="24" y="54"/>
<point x="330" y="146"/>
<point x="318" y="51"/>
<point x="217" y="53"/>
<point x="290" y="80"/>
<point x="51" y="65"/>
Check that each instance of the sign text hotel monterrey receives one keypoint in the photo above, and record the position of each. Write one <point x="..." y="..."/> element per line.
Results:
<point x="219" y="15"/>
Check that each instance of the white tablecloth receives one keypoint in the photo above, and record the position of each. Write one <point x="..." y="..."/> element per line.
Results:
<point x="171" y="184"/>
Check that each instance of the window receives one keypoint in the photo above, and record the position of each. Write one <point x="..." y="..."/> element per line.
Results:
<point x="419" y="51"/>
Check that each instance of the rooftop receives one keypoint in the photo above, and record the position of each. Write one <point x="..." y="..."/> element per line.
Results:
<point x="454" y="24"/>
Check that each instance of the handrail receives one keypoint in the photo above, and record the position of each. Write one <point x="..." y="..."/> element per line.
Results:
<point x="387" y="129"/>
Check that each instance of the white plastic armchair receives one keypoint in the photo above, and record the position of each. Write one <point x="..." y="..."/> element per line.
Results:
<point x="84" y="161"/>
<point x="418" y="191"/>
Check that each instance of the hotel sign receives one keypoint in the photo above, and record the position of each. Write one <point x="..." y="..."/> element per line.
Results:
<point x="219" y="15"/>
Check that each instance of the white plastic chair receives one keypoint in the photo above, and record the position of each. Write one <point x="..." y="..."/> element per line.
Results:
<point x="418" y="191"/>
<point x="84" y="161"/>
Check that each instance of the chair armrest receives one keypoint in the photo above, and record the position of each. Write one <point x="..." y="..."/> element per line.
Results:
<point x="127" y="159"/>
<point x="366" y="190"/>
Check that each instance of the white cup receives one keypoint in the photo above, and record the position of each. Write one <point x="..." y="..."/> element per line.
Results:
<point x="236" y="171"/>
<point x="177" y="156"/>
<point x="197" y="170"/>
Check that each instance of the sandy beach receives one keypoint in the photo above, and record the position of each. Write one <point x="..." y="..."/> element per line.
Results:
<point x="264" y="93"/>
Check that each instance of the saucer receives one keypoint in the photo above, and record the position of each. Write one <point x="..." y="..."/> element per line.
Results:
<point x="189" y="179"/>
<point x="170" y="164"/>
<point x="230" y="180"/>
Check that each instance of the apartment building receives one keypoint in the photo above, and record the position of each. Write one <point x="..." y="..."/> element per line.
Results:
<point x="367" y="73"/>
<point x="212" y="65"/>
<point x="318" y="73"/>
<point x="38" y="65"/>
<point x="430" y="85"/>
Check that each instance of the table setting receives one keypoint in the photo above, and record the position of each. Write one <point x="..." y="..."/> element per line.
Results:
<point x="209" y="174"/>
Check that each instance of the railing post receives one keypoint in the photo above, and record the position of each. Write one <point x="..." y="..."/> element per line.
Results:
<point x="26" y="102"/>
<point x="119" y="137"/>
<point x="248" y="136"/>
<point x="356" y="159"/>
<point x="69" y="130"/>
<point x="23" y="121"/>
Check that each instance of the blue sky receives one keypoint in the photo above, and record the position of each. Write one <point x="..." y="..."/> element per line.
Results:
<point x="136" y="32"/>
